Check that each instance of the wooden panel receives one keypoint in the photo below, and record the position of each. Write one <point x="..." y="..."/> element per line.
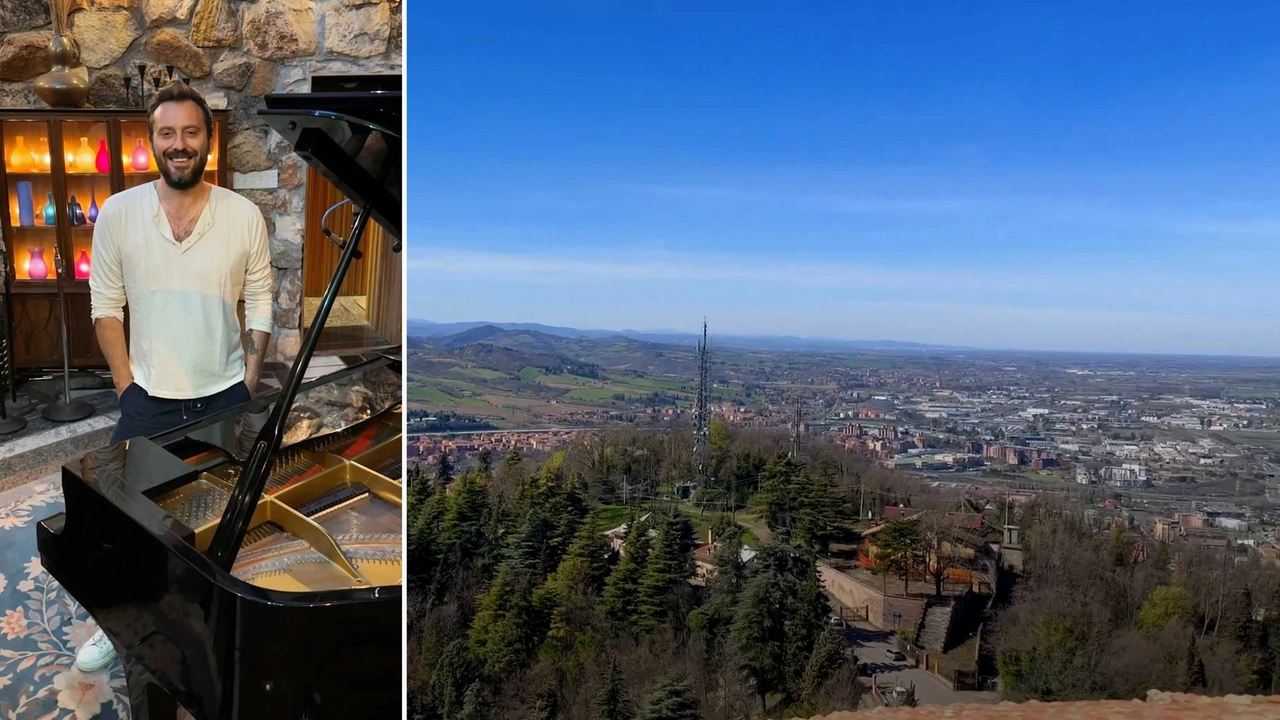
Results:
<point x="36" y="342"/>
<point x="386" y="296"/>
<point x="320" y="255"/>
<point x="83" y="342"/>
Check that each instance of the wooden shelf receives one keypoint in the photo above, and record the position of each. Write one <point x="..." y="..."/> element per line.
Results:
<point x="56" y="134"/>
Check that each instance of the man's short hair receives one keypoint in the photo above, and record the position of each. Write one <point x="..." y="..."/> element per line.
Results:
<point x="178" y="91"/>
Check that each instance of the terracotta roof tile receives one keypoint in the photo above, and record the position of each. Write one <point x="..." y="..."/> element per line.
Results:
<point x="1158" y="706"/>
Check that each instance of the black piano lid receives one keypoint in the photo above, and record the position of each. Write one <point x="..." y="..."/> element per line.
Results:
<point x="353" y="139"/>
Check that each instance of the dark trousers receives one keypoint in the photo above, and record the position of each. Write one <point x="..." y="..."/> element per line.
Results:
<point x="144" y="416"/>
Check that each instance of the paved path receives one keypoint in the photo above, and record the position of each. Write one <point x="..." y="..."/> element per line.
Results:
<point x="870" y="645"/>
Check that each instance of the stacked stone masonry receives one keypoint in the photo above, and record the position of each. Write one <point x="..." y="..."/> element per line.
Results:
<point x="234" y="52"/>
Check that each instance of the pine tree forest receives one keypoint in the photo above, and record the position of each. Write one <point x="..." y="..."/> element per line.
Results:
<point x="521" y="606"/>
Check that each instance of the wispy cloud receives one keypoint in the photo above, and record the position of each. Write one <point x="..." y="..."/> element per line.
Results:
<point x="1260" y="228"/>
<point x="830" y="202"/>
<point x="1066" y="284"/>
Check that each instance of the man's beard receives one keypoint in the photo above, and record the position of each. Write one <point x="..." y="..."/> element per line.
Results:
<point x="182" y="179"/>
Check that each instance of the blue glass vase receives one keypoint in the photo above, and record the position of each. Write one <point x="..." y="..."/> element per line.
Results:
<point x="93" y="203"/>
<point x="26" y="207"/>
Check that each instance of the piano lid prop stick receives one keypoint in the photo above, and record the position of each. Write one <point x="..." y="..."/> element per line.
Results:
<point x="257" y="467"/>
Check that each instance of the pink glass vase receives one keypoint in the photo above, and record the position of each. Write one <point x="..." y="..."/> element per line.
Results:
<point x="141" y="157"/>
<point x="82" y="265"/>
<point x="36" y="268"/>
<point x="104" y="157"/>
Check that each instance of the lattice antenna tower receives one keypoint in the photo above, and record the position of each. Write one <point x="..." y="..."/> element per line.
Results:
<point x="702" y="415"/>
<point x="795" y="429"/>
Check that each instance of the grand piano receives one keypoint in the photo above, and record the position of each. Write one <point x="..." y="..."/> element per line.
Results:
<point x="250" y="565"/>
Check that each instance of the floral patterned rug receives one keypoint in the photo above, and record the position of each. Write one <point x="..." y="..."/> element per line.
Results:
<point x="41" y="627"/>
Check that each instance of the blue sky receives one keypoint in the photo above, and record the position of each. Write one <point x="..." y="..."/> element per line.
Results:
<point x="1040" y="175"/>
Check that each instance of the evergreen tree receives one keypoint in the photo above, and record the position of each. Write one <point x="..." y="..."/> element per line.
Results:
<point x="1193" y="677"/>
<point x="748" y="467"/>
<point x="668" y="564"/>
<point x="899" y="549"/>
<point x="591" y="545"/>
<point x="504" y="628"/>
<point x="423" y="516"/>
<point x="622" y="589"/>
<point x="532" y="549"/>
<point x="465" y="531"/>
<point x="759" y="630"/>
<point x="804" y="626"/>
<point x="672" y="700"/>
<point x="611" y="702"/>
<point x="827" y="658"/>
<point x="779" y="497"/>
<point x="473" y="706"/>
<point x="714" y="617"/>
<point x="570" y="507"/>
<point x="546" y="703"/>
<point x="484" y="463"/>
<point x="817" y="507"/>
<point x="510" y="476"/>
<point x="453" y="674"/>
<point x="1119" y="546"/>
<point x="444" y="470"/>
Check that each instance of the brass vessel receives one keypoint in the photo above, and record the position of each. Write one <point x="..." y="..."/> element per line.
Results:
<point x="67" y="83"/>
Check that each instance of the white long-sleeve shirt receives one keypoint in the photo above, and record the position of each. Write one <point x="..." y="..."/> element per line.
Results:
<point x="184" y="331"/>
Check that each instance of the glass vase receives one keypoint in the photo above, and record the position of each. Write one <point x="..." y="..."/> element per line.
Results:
<point x="82" y="265"/>
<point x="20" y="160"/>
<point x="103" y="162"/>
<point x="85" y="159"/>
<point x="75" y="212"/>
<point x="141" y="159"/>
<point x="26" y="205"/>
<point x="36" y="267"/>
<point x="50" y="213"/>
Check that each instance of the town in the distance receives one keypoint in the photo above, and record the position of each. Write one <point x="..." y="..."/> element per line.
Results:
<point x="963" y="525"/>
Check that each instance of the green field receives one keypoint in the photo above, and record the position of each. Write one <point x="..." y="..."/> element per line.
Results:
<point x="611" y="516"/>
<point x="431" y="395"/>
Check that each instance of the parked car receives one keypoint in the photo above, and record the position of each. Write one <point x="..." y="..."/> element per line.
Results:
<point x="894" y="655"/>
<point x="836" y="623"/>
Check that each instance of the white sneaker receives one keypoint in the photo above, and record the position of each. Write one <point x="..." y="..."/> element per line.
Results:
<point x="96" y="654"/>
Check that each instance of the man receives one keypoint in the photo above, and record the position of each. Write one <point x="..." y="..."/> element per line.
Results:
<point x="180" y="253"/>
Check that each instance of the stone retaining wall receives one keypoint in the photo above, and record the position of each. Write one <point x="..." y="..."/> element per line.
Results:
<point x="880" y="608"/>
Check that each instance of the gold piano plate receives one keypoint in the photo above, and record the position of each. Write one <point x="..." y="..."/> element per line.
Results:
<point x="326" y="521"/>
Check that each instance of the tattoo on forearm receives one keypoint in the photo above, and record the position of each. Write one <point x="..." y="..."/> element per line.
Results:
<point x="250" y="345"/>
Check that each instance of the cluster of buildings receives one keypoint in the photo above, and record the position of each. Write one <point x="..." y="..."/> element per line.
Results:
<point x="427" y="449"/>
<point x="1092" y="438"/>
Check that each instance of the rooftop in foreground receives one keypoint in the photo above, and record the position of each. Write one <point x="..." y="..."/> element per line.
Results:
<point x="1158" y="706"/>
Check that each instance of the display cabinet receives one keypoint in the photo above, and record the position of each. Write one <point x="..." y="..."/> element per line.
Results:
<point x="56" y="170"/>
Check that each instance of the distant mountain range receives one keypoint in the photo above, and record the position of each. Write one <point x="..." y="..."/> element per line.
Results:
<point x="458" y="334"/>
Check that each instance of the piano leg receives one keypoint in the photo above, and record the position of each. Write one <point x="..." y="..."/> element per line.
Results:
<point x="147" y="700"/>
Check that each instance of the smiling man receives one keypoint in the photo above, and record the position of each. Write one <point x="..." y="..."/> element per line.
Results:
<point x="180" y="253"/>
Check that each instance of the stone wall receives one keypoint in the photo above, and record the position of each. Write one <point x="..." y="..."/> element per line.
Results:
<point x="880" y="608"/>
<point x="234" y="52"/>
